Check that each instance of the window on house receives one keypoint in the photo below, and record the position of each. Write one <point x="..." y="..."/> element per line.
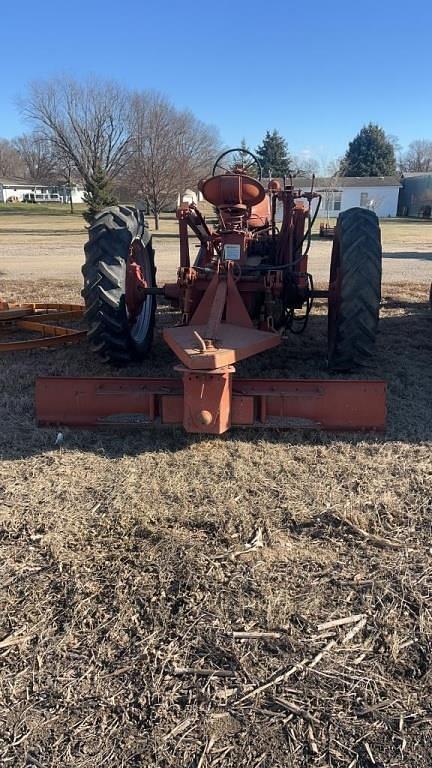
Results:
<point x="331" y="200"/>
<point x="364" y="199"/>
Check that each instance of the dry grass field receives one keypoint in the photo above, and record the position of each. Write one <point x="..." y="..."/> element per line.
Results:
<point x="173" y="601"/>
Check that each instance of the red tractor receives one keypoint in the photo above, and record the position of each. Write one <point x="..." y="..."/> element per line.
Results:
<point x="247" y="287"/>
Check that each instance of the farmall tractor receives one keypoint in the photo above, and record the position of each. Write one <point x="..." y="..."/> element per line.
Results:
<point x="247" y="288"/>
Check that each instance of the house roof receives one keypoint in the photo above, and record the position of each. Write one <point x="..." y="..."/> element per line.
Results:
<point x="322" y="182"/>
<point x="27" y="183"/>
<point x="15" y="182"/>
<point x="30" y="184"/>
<point x="414" y="174"/>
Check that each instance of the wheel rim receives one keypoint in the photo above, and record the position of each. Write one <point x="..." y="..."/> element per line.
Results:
<point x="139" y="276"/>
<point x="242" y="152"/>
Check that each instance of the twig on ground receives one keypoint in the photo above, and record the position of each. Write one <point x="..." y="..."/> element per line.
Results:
<point x="316" y="659"/>
<point x="303" y="664"/>
<point x="295" y="709"/>
<point x="206" y="751"/>
<point x="177" y="729"/>
<point x="339" y="622"/>
<point x="354" y="631"/>
<point x="203" y="672"/>
<point x="376" y="707"/>
<point x="14" y="638"/>
<point x="369" y="751"/>
<point x="256" y="635"/>
<point x="373" y="538"/>
<point x="256" y="543"/>
<point x="312" y="741"/>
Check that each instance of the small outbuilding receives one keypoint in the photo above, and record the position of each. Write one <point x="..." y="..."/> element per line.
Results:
<point x="415" y="197"/>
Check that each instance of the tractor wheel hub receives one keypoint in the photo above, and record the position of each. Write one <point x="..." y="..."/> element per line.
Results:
<point x="136" y="285"/>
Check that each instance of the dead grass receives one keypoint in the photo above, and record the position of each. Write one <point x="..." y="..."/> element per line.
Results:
<point x="129" y="560"/>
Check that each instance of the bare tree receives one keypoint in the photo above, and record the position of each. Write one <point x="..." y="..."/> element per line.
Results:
<point x="418" y="157"/>
<point x="305" y="165"/>
<point x="332" y="167"/>
<point x="171" y="150"/>
<point x="331" y="188"/>
<point x="10" y="161"/>
<point x="66" y="173"/>
<point x="37" y="156"/>
<point x="152" y="170"/>
<point x="85" y="122"/>
<point x="196" y="148"/>
<point x="394" y="140"/>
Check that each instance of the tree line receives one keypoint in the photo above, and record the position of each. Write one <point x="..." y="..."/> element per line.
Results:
<point x="372" y="152"/>
<point x="139" y="145"/>
<point x="109" y="139"/>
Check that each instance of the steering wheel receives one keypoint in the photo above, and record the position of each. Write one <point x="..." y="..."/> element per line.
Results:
<point x="244" y="167"/>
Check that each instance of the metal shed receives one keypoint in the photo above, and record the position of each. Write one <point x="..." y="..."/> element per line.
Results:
<point x="415" y="198"/>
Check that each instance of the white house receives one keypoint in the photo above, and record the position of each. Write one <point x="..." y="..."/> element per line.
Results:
<point x="378" y="193"/>
<point x="13" y="190"/>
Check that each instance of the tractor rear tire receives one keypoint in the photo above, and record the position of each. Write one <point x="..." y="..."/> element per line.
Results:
<point x="354" y="289"/>
<point x="112" y="334"/>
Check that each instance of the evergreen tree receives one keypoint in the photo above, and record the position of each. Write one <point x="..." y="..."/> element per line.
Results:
<point x="370" y="153"/>
<point x="243" y="159"/>
<point x="98" y="194"/>
<point x="273" y="155"/>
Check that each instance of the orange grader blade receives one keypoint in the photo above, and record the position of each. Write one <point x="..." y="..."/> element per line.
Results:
<point x="212" y="402"/>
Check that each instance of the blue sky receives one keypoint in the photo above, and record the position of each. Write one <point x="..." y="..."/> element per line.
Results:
<point x="316" y="71"/>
